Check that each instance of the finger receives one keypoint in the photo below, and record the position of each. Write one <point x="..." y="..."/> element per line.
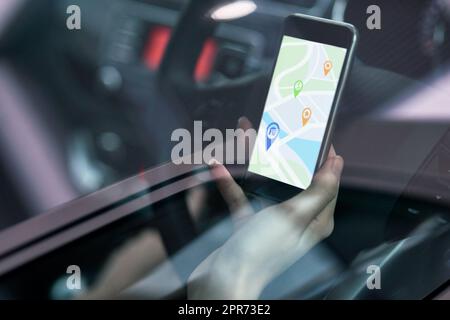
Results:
<point x="327" y="179"/>
<point x="230" y="191"/>
<point x="324" y="188"/>
<point x="332" y="152"/>
<point x="244" y="123"/>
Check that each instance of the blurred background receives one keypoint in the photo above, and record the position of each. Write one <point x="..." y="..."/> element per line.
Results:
<point x="83" y="109"/>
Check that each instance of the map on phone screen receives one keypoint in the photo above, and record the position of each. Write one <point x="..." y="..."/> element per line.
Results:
<point x="297" y="110"/>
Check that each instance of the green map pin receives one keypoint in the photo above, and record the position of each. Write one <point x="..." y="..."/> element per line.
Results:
<point x="298" y="87"/>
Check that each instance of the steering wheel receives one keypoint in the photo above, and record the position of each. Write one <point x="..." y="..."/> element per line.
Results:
<point x="219" y="104"/>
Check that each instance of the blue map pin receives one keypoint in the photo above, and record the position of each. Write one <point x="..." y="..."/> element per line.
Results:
<point x="273" y="130"/>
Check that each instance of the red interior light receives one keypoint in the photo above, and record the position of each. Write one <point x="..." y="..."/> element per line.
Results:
<point x="156" y="45"/>
<point x="157" y="42"/>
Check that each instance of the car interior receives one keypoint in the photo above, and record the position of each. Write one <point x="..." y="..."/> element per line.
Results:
<point x="86" y="118"/>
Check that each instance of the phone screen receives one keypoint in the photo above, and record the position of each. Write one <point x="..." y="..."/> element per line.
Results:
<point x="297" y="110"/>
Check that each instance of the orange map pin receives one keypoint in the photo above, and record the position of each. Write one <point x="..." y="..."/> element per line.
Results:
<point x="306" y="116"/>
<point x="327" y="67"/>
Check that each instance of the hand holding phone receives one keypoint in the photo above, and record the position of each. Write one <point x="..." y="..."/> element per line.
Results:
<point x="251" y="258"/>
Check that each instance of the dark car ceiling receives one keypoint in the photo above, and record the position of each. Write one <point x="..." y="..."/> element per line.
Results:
<point x="396" y="47"/>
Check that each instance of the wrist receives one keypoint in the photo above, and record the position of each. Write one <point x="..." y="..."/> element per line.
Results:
<point x="235" y="280"/>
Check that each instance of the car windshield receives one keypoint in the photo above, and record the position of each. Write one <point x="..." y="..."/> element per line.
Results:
<point x="173" y="147"/>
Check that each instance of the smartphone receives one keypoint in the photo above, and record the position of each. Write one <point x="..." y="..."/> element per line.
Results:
<point x="308" y="78"/>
